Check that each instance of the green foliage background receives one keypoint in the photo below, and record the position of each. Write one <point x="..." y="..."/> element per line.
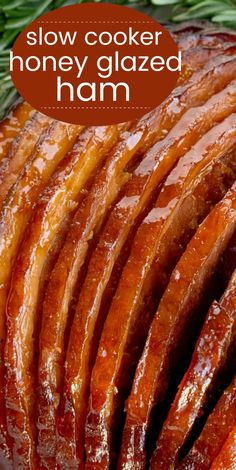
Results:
<point x="16" y="14"/>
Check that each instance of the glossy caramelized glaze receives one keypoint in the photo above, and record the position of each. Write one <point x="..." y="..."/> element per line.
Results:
<point x="12" y="124"/>
<point x="112" y="241"/>
<point x="140" y="275"/>
<point x="137" y="196"/>
<point x="209" y="357"/>
<point x="106" y="187"/>
<point x="218" y="426"/>
<point x="17" y="208"/>
<point x="227" y="456"/>
<point x="20" y="152"/>
<point x="59" y="200"/>
<point x="147" y="176"/>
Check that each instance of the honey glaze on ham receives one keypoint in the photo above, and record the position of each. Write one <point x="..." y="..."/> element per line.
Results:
<point x="193" y="93"/>
<point x="198" y="57"/>
<point x="152" y="129"/>
<point x="217" y="336"/>
<point x="91" y="212"/>
<point x="93" y="209"/>
<point x="130" y="304"/>
<point x="146" y="178"/>
<point x="56" y="203"/>
<point x="218" y="426"/>
<point x="226" y="460"/>
<point x="50" y="150"/>
<point x="21" y="150"/>
<point x="176" y="310"/>
<point x="210" y="39"/>
<point x="66" y="238"/>
<point x="52" y="147"/>
<point x="55" y="304"/>
<point x="11" y="125"/>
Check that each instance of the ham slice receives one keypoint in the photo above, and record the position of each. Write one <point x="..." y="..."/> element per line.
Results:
<point x="218" y="425"/>
<point x="146" y="178"/>
<point x="212" y="349"/>
<point x="226" y="459"/>
<point x="50" y="150"/>
<point x="175" y="314"/>
<point x="20" y="152"/>
<point x="55" y="206"/>
<point x="87" y="222"/>
<point x="11" y="125"/>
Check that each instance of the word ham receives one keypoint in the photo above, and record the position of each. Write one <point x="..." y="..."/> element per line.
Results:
<point x="92" y="91"/>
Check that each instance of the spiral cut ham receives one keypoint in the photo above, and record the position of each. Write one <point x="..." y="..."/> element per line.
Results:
<point x="105" y="189"/>
<point x="207" y="361"/>
<point x="55" y="205"/>
<point x="118" y="278"/>
<point x="12" y="124"/>
<point x="227" y="456"/>
<point x="147" y="176"/>
<point x="191" y="180"/>
<point x="218" y="426"/>
<point x="175" y="312"/>
<point x="21" y="149"/>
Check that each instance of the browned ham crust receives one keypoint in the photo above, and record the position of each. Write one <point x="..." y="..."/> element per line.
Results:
<point x="21" y="149"/>
<point x="196" y="175"/>
<point x="226" y="460"/>
<point x="55" y="206"/>
<point x="51" y="148"/>
<point x="218" y="425"/>
<point x="92" y="224"/>
<point x="11" y="125"/>
<point x="88" y="220"/>
<point x="150" y="173"/>
<point x="210" y="355"/>
<point x="180" y="300"/>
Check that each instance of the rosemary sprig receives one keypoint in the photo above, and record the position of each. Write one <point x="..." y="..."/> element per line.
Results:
<point x="15" y="15"/>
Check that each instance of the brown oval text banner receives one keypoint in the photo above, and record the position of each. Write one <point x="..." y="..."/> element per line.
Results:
<point x="95" y="64"/>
